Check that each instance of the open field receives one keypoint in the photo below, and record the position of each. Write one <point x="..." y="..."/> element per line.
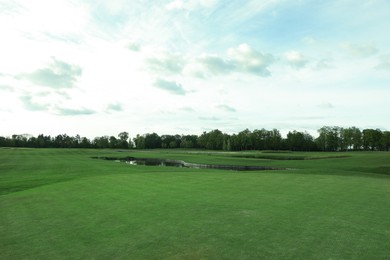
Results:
<point x="60" y="203"/>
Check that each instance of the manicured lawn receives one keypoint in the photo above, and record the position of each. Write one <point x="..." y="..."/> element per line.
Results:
<point x="59" y="203"/>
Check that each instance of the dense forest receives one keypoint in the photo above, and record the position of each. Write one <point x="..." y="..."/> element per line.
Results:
<point x="329" y="139"/>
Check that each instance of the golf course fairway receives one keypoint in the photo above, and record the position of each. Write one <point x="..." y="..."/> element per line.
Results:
<point x="63" y="204"/>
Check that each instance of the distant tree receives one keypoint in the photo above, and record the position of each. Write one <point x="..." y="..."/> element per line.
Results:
<point x="260" y="139"/>
<point x="226" y="143"/>
<point x="266" y="140"/>
<point x="101" y="142"/>
<point x="234" y="143"/>
<point x="152" y="141"/>
<point x="44" y="141"/>
<point x="189" y="141"/>
<point x="170" y="141"/>
<point x="85" y="143"/>
<point x="245" y="139"/>
<point x="113" y="142"/>
<point x="372" y="139"/>
<point x="351" y="138"/>
<point x="329" y="138"/>
<point x="300" y="141"/>
<point x="275" y="139"/>
<point x="212" y="140"/>
<point x="123" y="140"/>
<point x="139" y="141"/>
<point x="386" y="140"/>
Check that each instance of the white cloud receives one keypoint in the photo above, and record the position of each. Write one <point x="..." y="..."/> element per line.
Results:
<point x="384" y="63"/>
<point x="170" y="86"/>
<point x="57" y="74"/>
<point x="243" y="59"/>
<point x="210" y="118"/>
<point x="248" y="60"/>
<point x="190" y="5"/>
<point x="134" y="46"/>
<point x="208" y="65"/>
<point x="114" y="107"/>
<point x="326" y="105"/>
<point x="32" y="105"/>
<point x="323" y="64"/>
<point x="6" y="88"/>
<point x="74" y="111"/>
<point x="359" y="50"/>
<point x="10" y="7"/>
<point x="215" y="65"/>
<point x="296" y="59"/>
<point x="187" y="109"/>
<point x="176" y="4"/>
<point x="165" y="62"/>
<point x="226" y="108"/>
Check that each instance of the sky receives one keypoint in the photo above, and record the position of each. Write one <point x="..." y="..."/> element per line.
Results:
<point x="95" y="67"/>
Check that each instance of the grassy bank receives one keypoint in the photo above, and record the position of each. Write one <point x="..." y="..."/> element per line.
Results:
<point x="59" y="203"/>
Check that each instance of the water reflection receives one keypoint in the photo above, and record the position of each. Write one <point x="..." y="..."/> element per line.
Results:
<point x="179" y="163"/>
<point x="153" y="162"/>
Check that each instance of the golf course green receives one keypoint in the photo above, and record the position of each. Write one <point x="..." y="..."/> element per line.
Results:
<point x="63" y="204"/>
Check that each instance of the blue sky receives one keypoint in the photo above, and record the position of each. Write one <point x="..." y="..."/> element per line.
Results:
<point x="101" y="67"/>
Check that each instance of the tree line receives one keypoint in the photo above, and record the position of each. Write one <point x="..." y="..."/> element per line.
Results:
<point x="330" y="138"/>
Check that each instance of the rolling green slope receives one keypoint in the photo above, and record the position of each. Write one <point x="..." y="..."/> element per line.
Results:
<point x="58" y="203"/>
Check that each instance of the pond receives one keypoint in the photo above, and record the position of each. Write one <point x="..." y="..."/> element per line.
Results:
<point x="183" y="164"/>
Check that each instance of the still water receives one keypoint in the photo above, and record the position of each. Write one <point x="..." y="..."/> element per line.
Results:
<point x="178" y="163"/>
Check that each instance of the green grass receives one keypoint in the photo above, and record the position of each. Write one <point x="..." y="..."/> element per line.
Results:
<point x="60" y="203"/>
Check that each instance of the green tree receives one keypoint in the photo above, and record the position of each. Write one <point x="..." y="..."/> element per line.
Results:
<point x="372" y="139"/>
<point x="189" y="141"/>
<point x="245" y="139"/>
<point x="152" y="141"/>
<point x="113" y="142"/>
<point x="329" y="138"/>
<point x="351" y="138"/>
<point x="101" y="142"/>
<point x="386" y="140"/>
<point x="300" y="141"/>
<point x="139" y="141"/>
<point x="122" y="142"/>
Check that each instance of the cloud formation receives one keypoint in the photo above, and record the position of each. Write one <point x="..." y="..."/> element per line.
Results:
<point x="187" y="109"/>
<point x="170" y="86"/>
<point x="6" y="88"/>
<point x="190" y="5"/>
<point x="207" y="66"/>
<point x="134" y="46"/>
<point x="296" y="59"/>
<point x="326" y="105"/>
<point x="359" y="51"/>
<point x="41" y="101"/>
<point x="116" y="107"/>
<point x="384" y="63"/>
<point x="31" y="105"/>
<point x="209" y="118"/>
<point x="242" y="59"/>
<point x="74" y="112"/>
<point x="323" y="64"/>
<point x="226" y="108"/>
<point x="56" y="75"/>
<point x="166" y="63"/>
<point x="248" y="60"/>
